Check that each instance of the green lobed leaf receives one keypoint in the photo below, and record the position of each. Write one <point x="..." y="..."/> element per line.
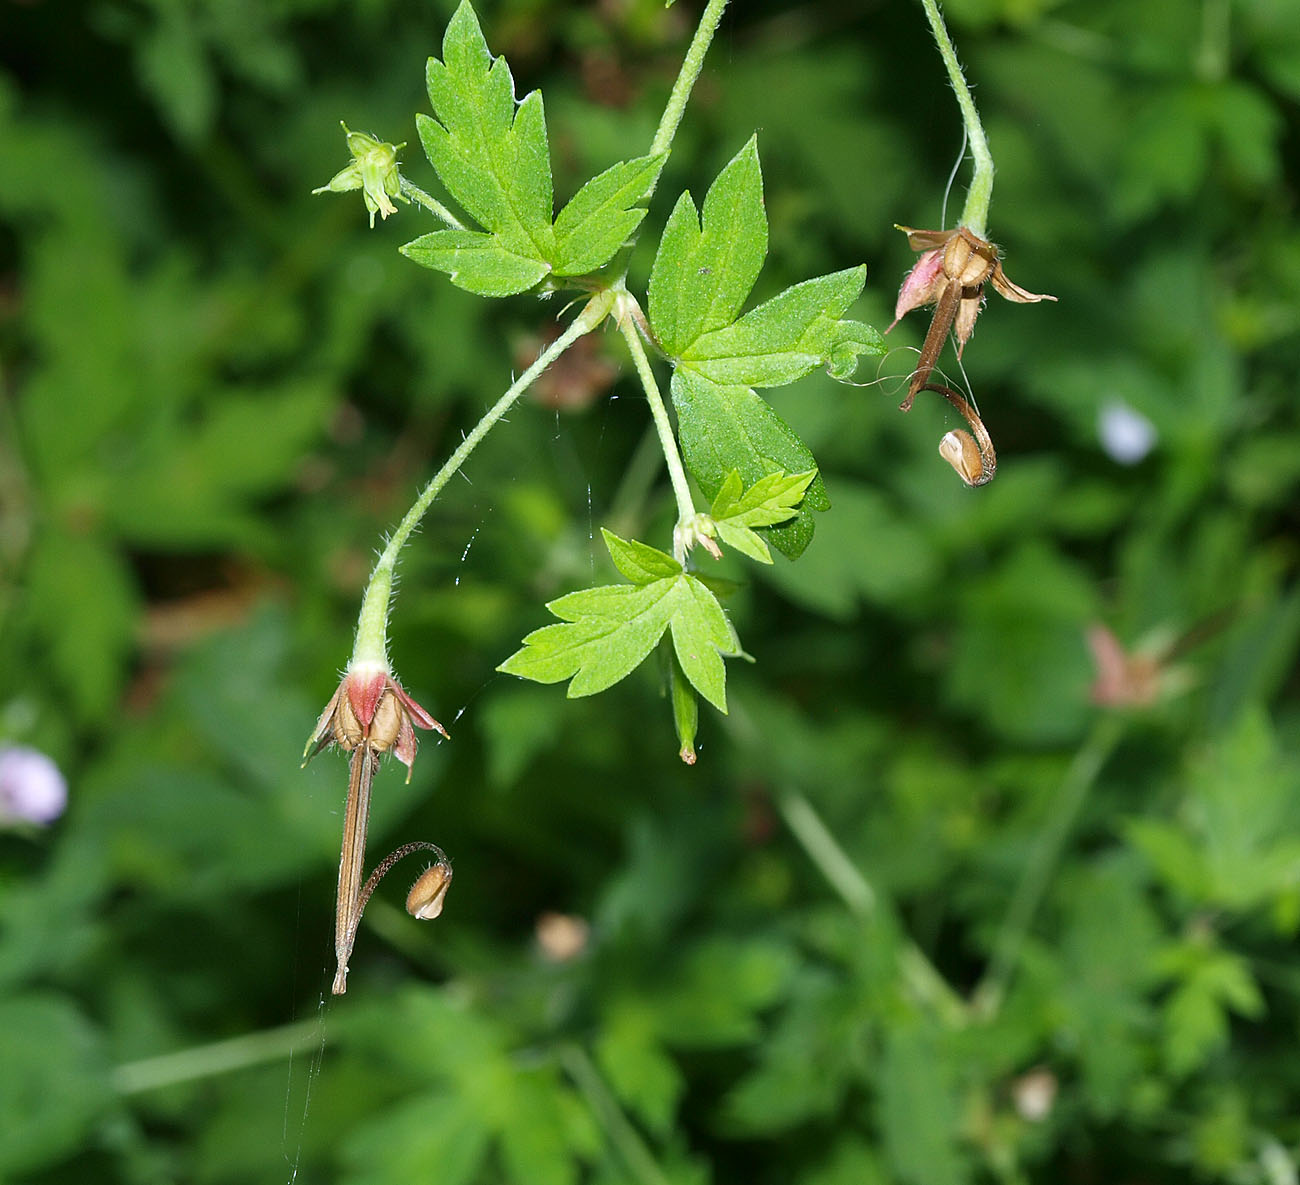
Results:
<point x="702" y="273"/>
<point x="639" y="562"/>
<point x="919" y="1107"/>
<point x="726" y="428"/>
<point x="602" y="215"/>
<point x="493" y="156"/>
<point x="477" y="262"/>
<point x="790" y="335"/>
<point x="88" y="638"/>
<point x="633" y="1060"/>
<point x="490" y="154"/>
<point x="770" y="500"/>
<point x="605" y="633"/>
<point x="55" y="1086"/>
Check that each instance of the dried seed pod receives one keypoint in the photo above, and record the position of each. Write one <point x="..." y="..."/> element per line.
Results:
<point x="959" y="449"/>
<point x="972" y="457"/>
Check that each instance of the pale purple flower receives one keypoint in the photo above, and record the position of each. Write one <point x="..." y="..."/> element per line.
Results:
<point x="1126" y="434"/>
<point x="32" y="789"/>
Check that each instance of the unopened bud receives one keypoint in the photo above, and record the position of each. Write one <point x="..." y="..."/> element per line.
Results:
<point x="425" y="899"/>
<point x="959" y="449"/>
<point x="373" y="170"/>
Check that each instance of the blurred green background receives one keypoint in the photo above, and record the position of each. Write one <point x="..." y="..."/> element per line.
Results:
<point x="924" y="913"/>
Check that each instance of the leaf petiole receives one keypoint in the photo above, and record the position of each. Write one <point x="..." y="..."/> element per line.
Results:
<point x="659" y="413"/>
<point x="430" y="203"/>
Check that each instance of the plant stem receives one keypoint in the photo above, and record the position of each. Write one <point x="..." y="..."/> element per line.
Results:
<point x="621" y="1134"/>
<point x="831" y="859"/>
<point x="221" y="1057"/>
<point x="975" y="213"/>
<point x="1062" y="814"/>
<point x="430" y="203"/>
<point x="659" y="413"/>
<point x="372" y="625"/>
<point x="690" y="71"/>
<point x="921" y="976"/>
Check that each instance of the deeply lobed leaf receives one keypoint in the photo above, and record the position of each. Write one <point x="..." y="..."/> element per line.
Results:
<point x="770" y="500"/>
<point x="602" y="215"/>
<point x="605" y="633"/>
<point x="493" y="157"/>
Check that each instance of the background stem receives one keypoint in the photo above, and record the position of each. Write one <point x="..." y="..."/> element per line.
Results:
<point x="922" y="977"/>
<point x="620" y="1132"/>
<point x="1062" y="814"/>
<point x="221" y="1057"/>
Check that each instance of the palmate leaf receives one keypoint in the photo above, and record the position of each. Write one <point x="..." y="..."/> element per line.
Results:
<point x="605" y="633"/>
<point x="770" y="500"/>
<point x="704" y="270"/>
<point x="494" y="159"/>
<point x="491" y="155"/>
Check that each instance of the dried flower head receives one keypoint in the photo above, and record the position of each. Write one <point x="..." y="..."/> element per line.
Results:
<point x="371" y="709"/>
<point x="951" y="273"/>
<point x="1138" y="678"/>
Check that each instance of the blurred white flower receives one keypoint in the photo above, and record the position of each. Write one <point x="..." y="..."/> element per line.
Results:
<point x="1126" y="434"/>
<point x="32" y="789"/>
<point x="1034" y="1094"/>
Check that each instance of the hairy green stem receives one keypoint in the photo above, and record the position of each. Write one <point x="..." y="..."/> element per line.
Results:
<point x="1063" y="812"/>
<point x="690" y="71"/>
<point x="636" y="1157"/>
<point x="430" y="203"/>
<point x="975" y="214"/>
<point x="659" y="413"/>
<point x="221" y="1057"/>
<point x="372" y="625"/>
<point x="922" y="977"/>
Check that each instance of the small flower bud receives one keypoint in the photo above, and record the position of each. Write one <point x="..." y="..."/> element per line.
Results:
<point x="373" y="171"/>
<point x="425" y="899"/>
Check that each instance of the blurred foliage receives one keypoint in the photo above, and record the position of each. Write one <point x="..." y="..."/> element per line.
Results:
<point x="922" y="913"/>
